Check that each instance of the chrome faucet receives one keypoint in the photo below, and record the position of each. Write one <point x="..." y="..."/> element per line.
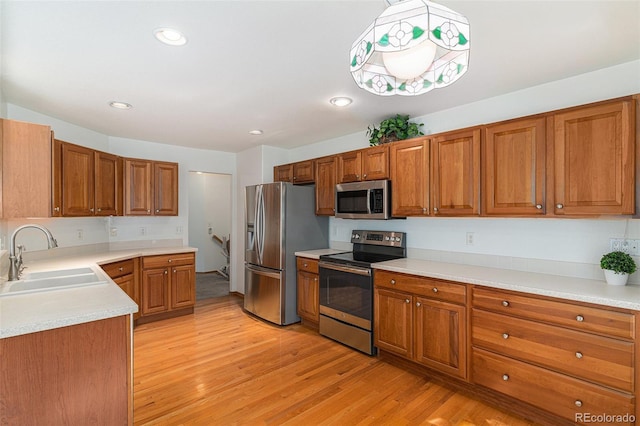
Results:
<point x="15" y="262"/>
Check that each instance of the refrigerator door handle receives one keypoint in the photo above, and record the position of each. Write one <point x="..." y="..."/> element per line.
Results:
<point x="263" y="271"/>
<point x="258" y="229"/>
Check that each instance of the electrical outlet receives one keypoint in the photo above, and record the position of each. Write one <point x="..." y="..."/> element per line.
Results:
<point x="179" y="230"/>
<point x="143" y="230"/>
<point x="113" y="232"/>
<point x="80" y="234"/>
<point x="470" y="238"/>
<point x="630" y="246"/>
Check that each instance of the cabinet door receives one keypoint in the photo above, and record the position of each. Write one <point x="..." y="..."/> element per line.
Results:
<point x="303" y="172"/>
<point x="283" y="173"/>
<point x="375" y="163"/>
<point x="138" y="187"/>
<point x="77" y="180"/>
<point x="409" y="169"/>
<point x="455" y="173"/>
<point x="350" y="167"/>
<point x="513" y="165"/>
<point x="440" y="336"/>
<point x="326" y="172"/>
<point x="108" y="184"/>
<point x="594" y="160"/>
<point x="166" y="189"/>
<point x="26" y="169"/>
<point x="308" y="296"/>
<point x="183" y="286"/>
<point x="393" y="322"/>
<point x="155" y="291"/>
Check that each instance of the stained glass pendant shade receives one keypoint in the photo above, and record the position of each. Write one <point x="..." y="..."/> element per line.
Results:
<point x="413" y="47"/>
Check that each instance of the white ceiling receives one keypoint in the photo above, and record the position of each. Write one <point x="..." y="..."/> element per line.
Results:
<point x="273" y="65"/>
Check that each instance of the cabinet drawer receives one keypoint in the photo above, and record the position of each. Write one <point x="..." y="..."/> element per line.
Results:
<point x="307" y="265"/>
<point x="554" y="392"/>
<point x="426" y="287"/>
<point x="118" y="269"/>
<point x="161" y="261"/>
<point x="595" y="358"/>
<point x="585" y="318"/>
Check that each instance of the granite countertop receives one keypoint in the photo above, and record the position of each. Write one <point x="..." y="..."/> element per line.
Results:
<point x="315" y="254"/>
<point x="577" y="289"/>
<point x="45" y="310"/>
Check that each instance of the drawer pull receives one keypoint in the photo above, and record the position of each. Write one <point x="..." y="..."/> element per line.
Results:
<point x="169" y="260"/>
<point x="121" y="269"/>
<point x="305" y="265"/>
<point x="418" y="304"/>
<point x="579" y="355"/>
<point x="578" y="403"/>
<point x="505" y="336"/>
<point x="407" y="301"/>
<point x="505" y="303"/>
<point x="435" y="289"/>
<point x="579" y="318"/>
<point x="393" y="282"/>
<point x="505" y="377"/>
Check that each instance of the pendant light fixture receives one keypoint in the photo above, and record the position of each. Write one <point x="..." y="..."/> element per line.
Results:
<point x="413" y="47"/>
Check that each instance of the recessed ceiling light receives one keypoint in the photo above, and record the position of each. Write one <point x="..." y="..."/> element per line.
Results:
<point x="170" y="36"/>
<point x="256" y="132"/>
<point x="340" y="101"/>
<point x="120" y="105"/>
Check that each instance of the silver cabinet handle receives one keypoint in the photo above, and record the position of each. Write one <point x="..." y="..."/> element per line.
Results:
<point x="174" y="271"/>
<point x="170" y="260"/>
<point x="157" y="210"/>
<point x="579" y="355"/>
<point x="305" y="265"/>
<point x="407" y="301"/>
<point x="559" y="206"/>
<point x="56" y="209"/>
<point x="166" y="272"/>
<point x="435" y="209"/>
<point x="393" y="282"/>
<point x="505" y="336"/>
<point x="579" y="318"/>
<point x="435" y="289"/>
<point x="315" y="279"/>
<point x="121" y="269"/>
<point x="505" y="303"/>
<point x="505" y="377"/>
<point x="364" y="176"/>
<point x="424" y="210"/>
<point x="91" y="210"/>
<point x="539" y="206"/>
<point x="578" y="403"/>
<point x="148" y="211"/>
<point x="418" y="304"/>
<point x="357" y="176"/>
<point x="99" y="210"/>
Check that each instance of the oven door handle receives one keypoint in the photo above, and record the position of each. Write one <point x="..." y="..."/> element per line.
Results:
<point x="345" y="268"/>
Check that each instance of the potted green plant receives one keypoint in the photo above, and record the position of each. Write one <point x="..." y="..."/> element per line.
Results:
<point x="393" y="129"/>
<point x="617" y="266"/>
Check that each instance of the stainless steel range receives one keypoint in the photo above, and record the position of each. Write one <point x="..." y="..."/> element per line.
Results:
<point x="346" y="287"/>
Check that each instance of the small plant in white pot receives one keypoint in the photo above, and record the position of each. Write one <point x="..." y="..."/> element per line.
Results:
<point x="617" y="266"/>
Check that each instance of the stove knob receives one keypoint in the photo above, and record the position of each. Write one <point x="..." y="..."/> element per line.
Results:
<point x="386" y="238"/>
<point x="398" y="239"/>
<point x="356" y="236"/>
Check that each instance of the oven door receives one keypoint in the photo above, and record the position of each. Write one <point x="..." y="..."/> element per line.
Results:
<point x="346" y="294"/>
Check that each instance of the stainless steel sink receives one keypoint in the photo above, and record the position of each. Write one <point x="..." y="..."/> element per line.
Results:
<point x="52" y="280"/>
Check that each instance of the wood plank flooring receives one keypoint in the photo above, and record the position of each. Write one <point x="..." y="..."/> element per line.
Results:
<point x="222" y="366"/>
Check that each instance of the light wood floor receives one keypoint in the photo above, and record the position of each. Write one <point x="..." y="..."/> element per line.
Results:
<point x="221" y="366"/>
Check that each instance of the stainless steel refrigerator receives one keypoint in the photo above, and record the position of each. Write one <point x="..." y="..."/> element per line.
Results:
<point x="280" y="220"/>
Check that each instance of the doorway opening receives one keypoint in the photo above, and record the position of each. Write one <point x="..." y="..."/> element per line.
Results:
<point x="210" y="231"/>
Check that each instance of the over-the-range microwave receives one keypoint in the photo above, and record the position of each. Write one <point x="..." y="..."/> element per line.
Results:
<point x="363" y="200"/>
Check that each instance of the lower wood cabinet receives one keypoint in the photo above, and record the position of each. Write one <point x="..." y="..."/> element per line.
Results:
<point x="549" y="359"/>
<point x="168" y="285"/>
<point x="126" y="274"/>
<point x="421" y="319"/>
<point x="80" y="375"/>
<point x="308" y="290"/>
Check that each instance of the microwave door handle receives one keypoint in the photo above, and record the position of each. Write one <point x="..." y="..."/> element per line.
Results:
<point x="369" y="200"/>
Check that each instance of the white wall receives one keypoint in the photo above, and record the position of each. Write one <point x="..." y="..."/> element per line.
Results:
<point x="209" y="215"/>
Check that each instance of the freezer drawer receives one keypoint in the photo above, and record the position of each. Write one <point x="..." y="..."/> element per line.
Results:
<point x="264" y="294"/>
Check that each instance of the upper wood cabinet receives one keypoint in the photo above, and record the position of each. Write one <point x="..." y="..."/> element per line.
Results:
<point x="26" y="169"/>
<point x="298" y="173"/>
<point x="326" y="174"/>
<point x="513" y="168"/>
<point x="409" y="167"/>
<point x="364" y="164"/>
<point x="86" y="182"/>
<point x="150" y="188"/>
<point x="594" y="159"/>
<point x="283" y="173"/>
<point x="455" y="173"/>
